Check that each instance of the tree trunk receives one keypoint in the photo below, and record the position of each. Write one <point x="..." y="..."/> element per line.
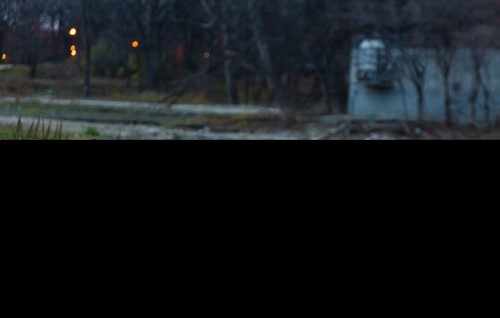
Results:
<point x="341" y="72"/>
<point x="473" y="102"/>
<point x="1" y="42"/>
<point x="188" y="56"/>
<point x="323" y="81"/>
<point x="231" y="89"/>
<point x="263" y="51"/>
<point x="421" y="104"/>
<point x="33" y="66"/>
<point x="445" y="57"/>
<point x="487" y="107"/>
<point x="86" y="85"/>
<point x="447" y="100"/>
<point x="153" y="67"/>
<point x="88" y="48"/>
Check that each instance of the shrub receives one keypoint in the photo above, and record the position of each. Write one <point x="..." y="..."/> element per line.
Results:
<point x="92" y="132"/>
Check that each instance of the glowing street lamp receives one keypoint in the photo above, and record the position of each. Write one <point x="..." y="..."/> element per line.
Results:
<point x="135" y="44"/>
<point x="73" y="50"/>
<point x="73" y="32"/>
<point x="4" y="57"/>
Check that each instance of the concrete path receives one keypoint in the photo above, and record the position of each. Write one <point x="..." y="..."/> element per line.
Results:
<point x="181" y="108"/>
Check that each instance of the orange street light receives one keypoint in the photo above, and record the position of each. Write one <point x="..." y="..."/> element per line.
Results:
<point x="135" y="44"/>
<point x="73" y="31"/>
<point x="73" y="53"/>
<point x="72" y="48"/>
<point x="4" y="57"/>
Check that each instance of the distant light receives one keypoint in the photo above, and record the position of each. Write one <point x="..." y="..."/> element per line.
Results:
<point x="72" y="48"/>
<point x="206" y="55"/>
<point x="73" y="32"/>
<point x="135" y="44"/>
<point x="4" y="57"/>
<point x="73" y="53"/>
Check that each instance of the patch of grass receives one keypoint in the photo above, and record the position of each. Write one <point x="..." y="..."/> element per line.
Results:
<point x="191" y="98"/>
<point x="233" y="123"/>
<point x="18" y="71"/>
<point x="92" y="132"/>
<point x="92" y="114"/>
<point x="65" y="80"/>
<point x="38" y="130"/>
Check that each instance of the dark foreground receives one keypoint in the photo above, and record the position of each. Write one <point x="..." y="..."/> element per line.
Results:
<point x="94" y="119"/>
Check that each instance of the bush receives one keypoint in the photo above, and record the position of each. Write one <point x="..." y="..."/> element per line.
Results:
<point x="92" y="132"/>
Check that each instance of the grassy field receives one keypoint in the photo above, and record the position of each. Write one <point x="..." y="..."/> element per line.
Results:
<point x="43" y="130"/>
<point x="163" y="118"/>
<point x="90" y="114"/>
<point x="65" y="80"/>
<point x="136" y="116"/>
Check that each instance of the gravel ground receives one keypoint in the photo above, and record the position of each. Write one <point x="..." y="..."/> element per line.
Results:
<point x="312" y="131"/>
<point x="145" y="132"/>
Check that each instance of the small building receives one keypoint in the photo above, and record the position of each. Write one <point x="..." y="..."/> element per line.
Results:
<point x="381" y="89"/>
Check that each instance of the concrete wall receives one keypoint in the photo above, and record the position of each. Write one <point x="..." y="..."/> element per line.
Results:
<point x="393" y="104"/>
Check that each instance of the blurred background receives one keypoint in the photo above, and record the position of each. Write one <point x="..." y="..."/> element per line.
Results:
<point x="250" y="69"/>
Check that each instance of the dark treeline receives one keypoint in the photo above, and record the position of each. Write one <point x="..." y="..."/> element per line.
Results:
<point x="271" y="46"/>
